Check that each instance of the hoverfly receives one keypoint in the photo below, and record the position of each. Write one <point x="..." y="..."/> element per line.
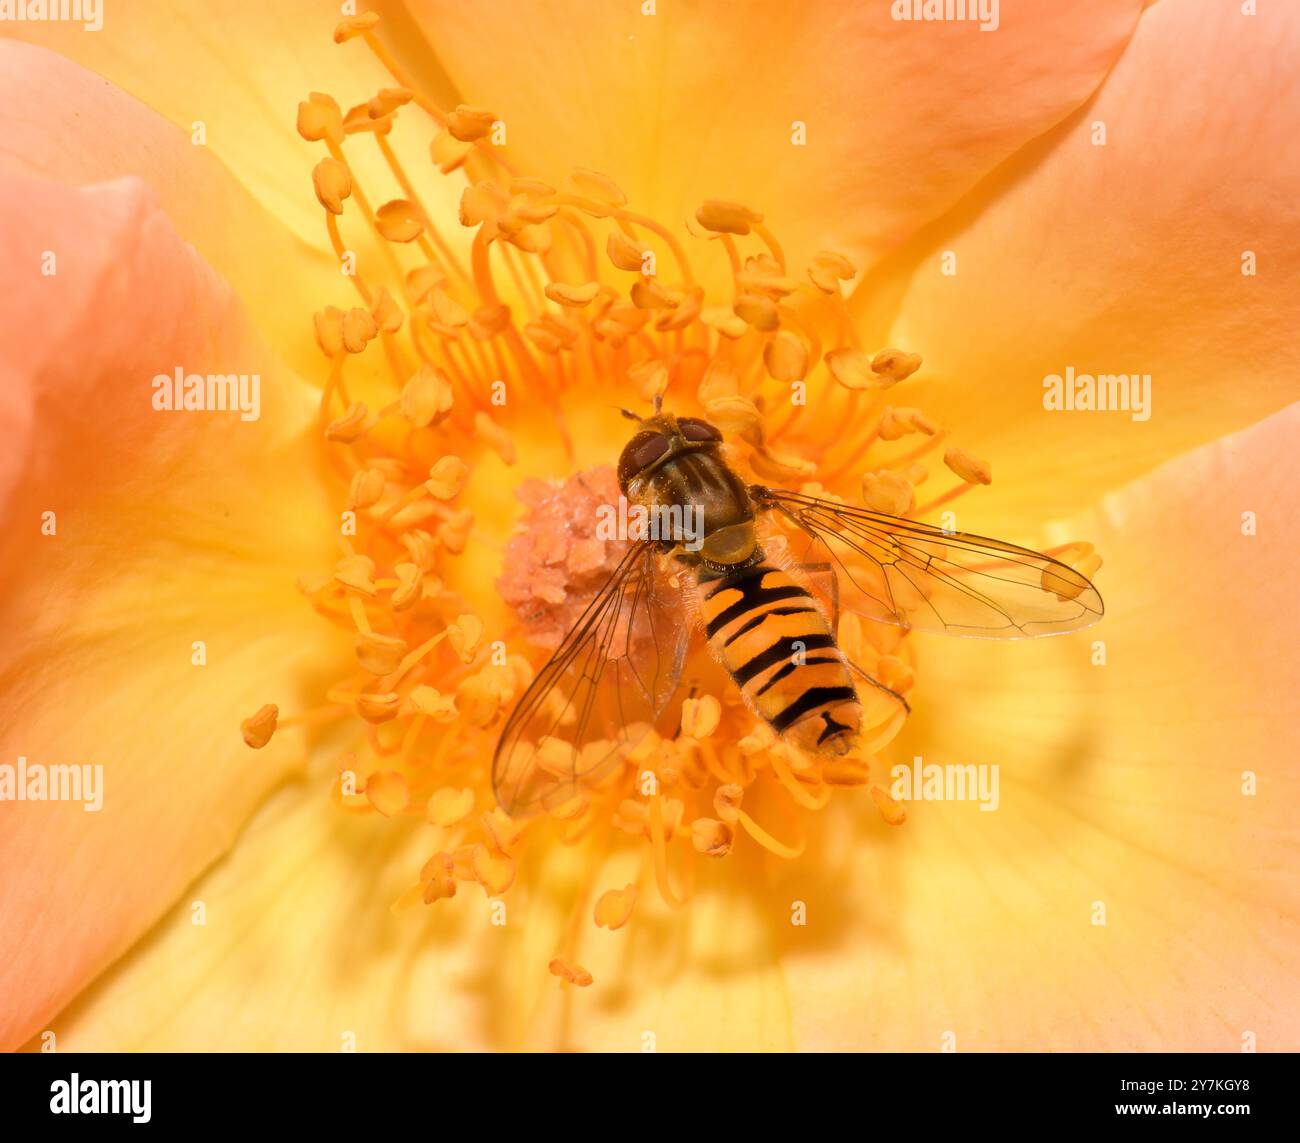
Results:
<point x="618" y="666"/>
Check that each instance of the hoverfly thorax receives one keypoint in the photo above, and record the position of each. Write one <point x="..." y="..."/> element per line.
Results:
<point x="677" y="462"/>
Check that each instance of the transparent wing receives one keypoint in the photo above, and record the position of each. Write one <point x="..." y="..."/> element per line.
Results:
<point x="899" y="571"/>
<point x="598" y="694"/>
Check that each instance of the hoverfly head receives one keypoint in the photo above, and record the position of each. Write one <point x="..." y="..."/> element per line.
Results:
<point x="661" y="438"/>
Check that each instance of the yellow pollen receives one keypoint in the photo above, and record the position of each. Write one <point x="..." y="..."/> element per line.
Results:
<point x="734" y="414"/>
<point x="700" y="716"/>
<point x="786" y="357"/>
<point x="432" y="703"/>
<point x="379" y="654"/>
<point x="896" y="423"/>
<point x="1068" y="582"/>
<point x="970" y="469"/>
<point x="366" y="489"/>
<point x="726" y="217"/>
<point x="650" y="378"/>
<point x="500" y="830"/>
<point x="573" y="296"/>
<point x="356" y="572"/>
<point x="891" y="812"/>
<point x="387" y="792"/>
<point x="624" y="253"/>
<point x="427" y="397"/>
<point x="410" y="583"/>
<point x="614" y="907"/>
<point x="350" y="426"/>
<point x="726" y="802"/>
<point x="379" y="707"/>
<point x="893" y="365"/>
<point x="464" y="636"/>
<point x="492" y="869"/>
<point x="828" y="269"/>
<point x="496" y="438"/>
<point x="333" y="183"/>
<point x="438" y="878"/>
<point x="887" y="491"/>
<point x="758" y="311"/>
<point x="388" y="100"/>
<point x="852" y="369"/>
<point x="447" y="478"/>
<point x="354" y="26"/>
<point x="258" y="729"/>
<point x="359" y="328"/>
<point x="319" y="117"/>
<point x="570" y="974"/>
<point x="399" y="221"/>
<point x="446" y="807"/>
<point x="470" y="123"/>
<point x="712" y="837"/>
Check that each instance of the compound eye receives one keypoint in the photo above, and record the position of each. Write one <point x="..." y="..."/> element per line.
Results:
<point x="693" y="429"/>
<point x="641" y="452"/>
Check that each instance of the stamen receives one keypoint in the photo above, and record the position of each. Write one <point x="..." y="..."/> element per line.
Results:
<point x="258" y="729"/>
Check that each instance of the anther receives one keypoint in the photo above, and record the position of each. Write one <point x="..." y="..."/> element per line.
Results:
<point x="258" y="729"/>
<point x="828" y="269"/>
<point x="726" y="217"/>
<point x="598" y="186"/>
<point x="432" y="703"/>
<point x="572" y="974"/>
<point x="446" y="807"/>
<point x="969" y="468"/>
<point x="712" y="837"/>
<point x="893" y="365"/>
<point x="426" y="397"/>
<point x="319" y="117"/>
<point x="399" y="221"/>
<point x="353" y="26"/>
<point x="614" y="908"/>
<point x="447" y="478"/>
<point x="387" y="792"/>
<point x="573" y="296"/>
<point x="786" y="357"/>
<point x="700" y="716"/>
<point x="410" y="581"/>
<point x="470" y="123"/>
<point x="333" y="183"/>
<point x="378" y="707"/>
<point x="366" y="488"/>
<point x="852" y="369"/>
<point x="887" y="492"/>
<point x="349" y="427"/>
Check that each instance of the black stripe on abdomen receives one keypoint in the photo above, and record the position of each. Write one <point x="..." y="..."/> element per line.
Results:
<point x="752" y="595"/>
<point x="809" y="701"/>
<point x="783" y="650"/>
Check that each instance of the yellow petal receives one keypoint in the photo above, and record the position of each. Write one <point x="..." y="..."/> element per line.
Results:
<point x="241" y="69"/>
<point x="1120" y="785"/>
<point x="161" y="612"/>
<point x="1123" y="259"/>
<point x="844" y="128"/>
<point x="117" y="136"/>
<point x="264" y="972"/>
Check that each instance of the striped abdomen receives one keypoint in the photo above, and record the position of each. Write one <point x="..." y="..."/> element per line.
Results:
<point x="777" y="645"/>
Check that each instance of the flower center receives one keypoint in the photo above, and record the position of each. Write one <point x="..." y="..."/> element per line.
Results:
<point x="482" y="347"/>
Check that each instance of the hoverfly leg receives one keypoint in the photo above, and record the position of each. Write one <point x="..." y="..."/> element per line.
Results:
<point x="878" y="684"/>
